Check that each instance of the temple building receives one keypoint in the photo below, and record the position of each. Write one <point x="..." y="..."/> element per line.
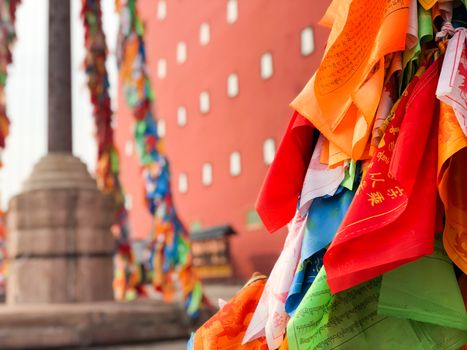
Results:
<point x="224" y="73"/>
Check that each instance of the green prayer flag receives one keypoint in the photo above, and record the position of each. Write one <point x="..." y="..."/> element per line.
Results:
<point x="349" y="320"/>
<point x="410" y="57"/>
<point x="196" y="299"/>
<point x="183" y="250"/>
<point x="349" y="175"/>
<point x="424" y="290"/>
<point x="114" y="161"/>
<point x="2" y="78"/>
<point x="132" y="97"/>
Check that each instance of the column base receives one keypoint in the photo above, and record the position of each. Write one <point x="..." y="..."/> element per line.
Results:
<point x="58" y="236"/>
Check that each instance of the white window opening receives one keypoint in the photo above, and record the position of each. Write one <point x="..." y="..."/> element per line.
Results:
<point x="161" y="128"/>
<point x="161" y="68"/>
<point x="232" y="85"/>
<point x="204" y="102"/>
<point x="161" y="10"/>
<point x="181" y="52"/>
<point x="206" y="174"/>
<point x="183" y="183"/>
<point x="232" y="11"/>
<point x="235" y="164"/>
<point x="266" y="65"/>
<point x="307" y="41"/>
<point x="204" y="34"/>
<point x="128" y="201"/>
<point x="129" y="147"/>
<point x="269" y="151"/>
<point x="181" y="116"/>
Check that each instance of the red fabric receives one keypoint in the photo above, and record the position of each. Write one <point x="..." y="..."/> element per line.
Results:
<point x="391" y="220"/>
<point x="278" y="197"/>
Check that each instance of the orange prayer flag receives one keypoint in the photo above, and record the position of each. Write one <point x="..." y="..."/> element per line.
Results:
<point x="427" y="4"/>
<point x="452" y="170"/>
<point x="324" y="157"/>
<point x="352" y="71"/>
<point x="336" y="155"/>
<point x="331" y="12"/>
<point x="285" y="344"/>
<point x="225" y="330"/>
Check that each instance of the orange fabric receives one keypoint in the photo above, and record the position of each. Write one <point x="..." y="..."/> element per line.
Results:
<point x="285" y="344"/>
<point x="225" y="330"/>
<point x="342" y="97"/>
<point x="452" y="178"/>
<point x="324" y="157"/>
<point x="427" y="4"/>
<point x="332" y="12"/>
<point x="336" y="155"/>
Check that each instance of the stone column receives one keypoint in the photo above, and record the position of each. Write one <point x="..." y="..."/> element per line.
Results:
<point x="59" y="240"/>
<point x="59" y="82"/>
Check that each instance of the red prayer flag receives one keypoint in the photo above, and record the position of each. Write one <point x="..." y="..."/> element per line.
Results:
<point x="277" y="201"/>
<point x="391" y="220"/>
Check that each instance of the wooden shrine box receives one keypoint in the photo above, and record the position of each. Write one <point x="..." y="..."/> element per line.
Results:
<point x="211" y="253"/>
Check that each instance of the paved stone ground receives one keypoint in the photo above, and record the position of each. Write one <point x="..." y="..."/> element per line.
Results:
<point x="214" y="291"/>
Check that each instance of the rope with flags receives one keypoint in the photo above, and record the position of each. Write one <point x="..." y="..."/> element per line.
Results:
<point x="126" y="276"/>
<point x="7" y="39"/>
<point x="170" y="255"/>
<point x="171" y="258"/>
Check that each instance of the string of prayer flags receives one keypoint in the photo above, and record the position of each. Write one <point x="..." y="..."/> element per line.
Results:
<point x="126" y="282"/>
<point x="171" y="254"/>
<point x="7" y="39"/>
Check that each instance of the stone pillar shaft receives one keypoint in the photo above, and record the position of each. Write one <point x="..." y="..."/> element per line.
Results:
<point x="59" y="98"/>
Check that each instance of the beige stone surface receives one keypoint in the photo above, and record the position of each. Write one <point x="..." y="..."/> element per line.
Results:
<point x="31" y="279"/>
<point x="147" y="324"/>
<point x="59" y="240"/>
<point x="94" y="276"/>
<point x="59" y="280"/>
<point x="59" y="171"/>
<point x="87" y="324"/>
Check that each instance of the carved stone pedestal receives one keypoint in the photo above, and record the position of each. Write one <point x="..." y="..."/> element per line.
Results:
<point x="59" y="240"/>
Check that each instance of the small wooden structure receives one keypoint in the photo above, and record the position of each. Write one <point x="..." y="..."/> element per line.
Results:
<point x="211" y="252"/>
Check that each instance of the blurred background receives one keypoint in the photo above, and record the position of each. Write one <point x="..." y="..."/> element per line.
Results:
<point x="223" y="72"/>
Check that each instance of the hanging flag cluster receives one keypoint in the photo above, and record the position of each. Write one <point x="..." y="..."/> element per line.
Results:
<point x="127" y="277"/>
<point x="171" y="259"/>
<point x="7" y="39"/>
<point x="370" y="178"/>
